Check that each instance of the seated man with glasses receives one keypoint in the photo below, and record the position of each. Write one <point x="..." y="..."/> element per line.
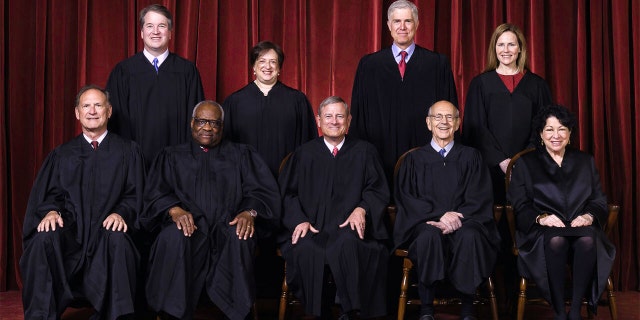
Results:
<point x="445" y="218"/>
<point x="335" y="195"/>
<point x="210" y="200"/>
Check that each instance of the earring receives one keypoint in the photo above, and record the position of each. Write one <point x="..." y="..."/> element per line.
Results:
<point x="541" y="143"/>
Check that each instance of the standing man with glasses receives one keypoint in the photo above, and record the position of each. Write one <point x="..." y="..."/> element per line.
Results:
<point x="208" y="198"/>
<point x="79" y="217"/>
<point x="154" y="91"/>
<point x="445" y="218"/>
<point x="393" y="86"/>
<point x="335" y="196"/>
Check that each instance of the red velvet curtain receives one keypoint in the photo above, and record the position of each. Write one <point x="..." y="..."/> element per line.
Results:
<point x="587" y="50"/>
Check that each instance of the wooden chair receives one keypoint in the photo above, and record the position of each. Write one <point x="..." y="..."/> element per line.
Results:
<point x="407" y="265"/>
<point x="524" y="283"/>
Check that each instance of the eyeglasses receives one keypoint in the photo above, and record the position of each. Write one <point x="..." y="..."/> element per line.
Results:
<point x="216" y="124"/>
<point x="439" y="117"/>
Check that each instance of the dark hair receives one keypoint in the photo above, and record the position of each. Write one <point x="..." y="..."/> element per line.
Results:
<point x="261" y="48"/>
<point x="158" y="8"/>
<point x="566" y="118"/>
<point x="91" y="87"/>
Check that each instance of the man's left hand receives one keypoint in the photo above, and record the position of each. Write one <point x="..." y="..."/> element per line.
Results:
<point x="245" y="226"/>
<point x="357" y="221"/>
<point x="115" y="222"/>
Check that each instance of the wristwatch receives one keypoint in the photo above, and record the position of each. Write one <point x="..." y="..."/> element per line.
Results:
<point x="253" y="213"/>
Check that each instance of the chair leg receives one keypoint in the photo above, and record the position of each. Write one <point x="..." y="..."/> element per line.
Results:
<point x="492" y="299"/>
<point x="255" y="311"/>
<point x="522" y="298"/>
<point x="282" y="312"/>
<point x="613" y="309"/>
<point x="404" y="286"/>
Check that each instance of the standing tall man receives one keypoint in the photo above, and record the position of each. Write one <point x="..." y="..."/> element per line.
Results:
<point x="154" y="91"/>
<point x="394" y="87"/>
<point x="84" y="201"/>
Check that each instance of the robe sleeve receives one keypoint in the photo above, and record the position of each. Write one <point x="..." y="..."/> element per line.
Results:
<point x="520" y="194"/>
<point x="358" y="127"/>
<point x="448" y="90"/>
<point x="118" y="88"/>
<point x="597" y="201"/>
<point x="475" y="130"/>
<point x="375" y="194"/>
<point x="259" y="187"/>
<point x="46" y="195"/>
<point x="477" y="198"/>
<point x="293" y="213"/>
<point x="130" y="204"/>
<point x="159" y="193"/>
<point x="412" y="207"/>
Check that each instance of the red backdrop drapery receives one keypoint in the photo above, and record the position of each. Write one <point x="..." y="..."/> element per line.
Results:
<point x="587" y="50"/>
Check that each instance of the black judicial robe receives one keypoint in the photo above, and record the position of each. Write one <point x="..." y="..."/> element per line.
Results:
<point x="539" y="185"/>
<point x="498" y="123"/>
<point x="154" y="109"/>
<point x="428" y="185"/>
<point x="323" y="190"/>
<point x="85" y="186"/>
<point x="275" y="124"/>
<point x="390" y="112"/>
<point x="214" y="186"/>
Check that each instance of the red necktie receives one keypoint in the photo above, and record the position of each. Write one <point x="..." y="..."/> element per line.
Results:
<point x="335" y="151"/>
<point x="94" y="144"/>
<point x="402" y="66"/>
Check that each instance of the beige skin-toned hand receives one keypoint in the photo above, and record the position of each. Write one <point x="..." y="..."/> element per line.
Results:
<point x="356" y="221"/>
<point x="115" y="222"/>
<point x="504" y="164"/>
<point x="449" y="222"/>
<point x="582" y="221"/>
<point x="551" y="221"/>
<point x="244" y="225"/>
<point x="301" y="230"/>
<point x="50" y="221"/>
<point x="183" y="220"/>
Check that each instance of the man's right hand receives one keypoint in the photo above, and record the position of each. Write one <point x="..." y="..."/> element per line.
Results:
<point x="49" y="222"/>
<point x="301" y="231"/>
<point x="183" y="220"/>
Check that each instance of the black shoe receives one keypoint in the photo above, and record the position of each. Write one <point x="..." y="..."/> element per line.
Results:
<point x="427" y="317"/>
<point x="469" y="318"/>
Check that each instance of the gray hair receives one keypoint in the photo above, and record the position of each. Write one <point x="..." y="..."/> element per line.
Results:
<point x="206" y="102"/>
<point x="332" y="100"/>
<point x="403" y="4"/>
<point x="92" y="87"/>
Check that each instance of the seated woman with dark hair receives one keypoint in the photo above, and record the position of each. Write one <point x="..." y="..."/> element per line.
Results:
<point x="560" y="212"/>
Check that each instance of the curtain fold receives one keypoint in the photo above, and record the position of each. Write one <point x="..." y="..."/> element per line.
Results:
<point x="586" y="50"/>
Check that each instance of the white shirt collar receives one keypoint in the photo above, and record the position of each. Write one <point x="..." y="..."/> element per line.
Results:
<point x="330" y="146"/>
<point x="100" y="138"/>
<point x="161" y="58"/>
<point x="437" y="148"/>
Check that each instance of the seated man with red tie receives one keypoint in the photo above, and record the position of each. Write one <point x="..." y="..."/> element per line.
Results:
<point x="82" y="207"/>
<point x="334" y="198"/>
<point x="444" y="200"/>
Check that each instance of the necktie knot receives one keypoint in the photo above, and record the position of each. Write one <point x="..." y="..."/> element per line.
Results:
<point x="155" y="64"/>
<point x="334" y="152"/>
<point x="94" y="144"/>
<point x="442" y="152"/>
<point x="402" y="65"/>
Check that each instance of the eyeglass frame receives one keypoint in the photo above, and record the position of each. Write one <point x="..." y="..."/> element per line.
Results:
<point x="439" y="117"/>
<point x="215" y="124"/>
